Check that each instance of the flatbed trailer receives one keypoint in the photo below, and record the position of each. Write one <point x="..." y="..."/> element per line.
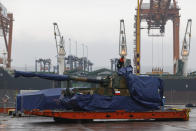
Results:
<point x="169" y="114"/>
<point x="6" y="110"/>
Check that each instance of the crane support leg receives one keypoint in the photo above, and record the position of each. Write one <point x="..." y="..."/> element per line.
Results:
<point x="10" y="40"/>
<point x="138" y="40"/>
<point x="176" y="26"/>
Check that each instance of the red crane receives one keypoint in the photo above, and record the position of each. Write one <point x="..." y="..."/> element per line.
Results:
<point x="156" y="13"/>
<point x="6" y="25"/>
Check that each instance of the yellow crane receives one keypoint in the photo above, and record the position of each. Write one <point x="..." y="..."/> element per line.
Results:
<point x="138" y="40"/>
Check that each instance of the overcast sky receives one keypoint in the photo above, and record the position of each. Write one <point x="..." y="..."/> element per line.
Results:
<point x="92" y="22"/>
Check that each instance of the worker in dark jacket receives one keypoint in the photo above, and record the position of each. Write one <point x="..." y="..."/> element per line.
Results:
<point x="121" y="62"/>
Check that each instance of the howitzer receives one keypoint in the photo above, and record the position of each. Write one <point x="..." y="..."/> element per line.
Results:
<point x="103" y="83"/>
<point x="56" y="77"/>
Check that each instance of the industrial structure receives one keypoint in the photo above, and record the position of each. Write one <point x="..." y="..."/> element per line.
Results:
<point x="183" y="61"/>
<point x="70" y="62"/>
<point x="114" y="62"/>
<point x="78" y="63"/>
<point x="156" y="13"/>
<point x="6" y="28"/>
<point x="44" y="65"/>
<point x="122" y="40"/>
<point x="122" y="48"/>
<point x="60" y="47"/>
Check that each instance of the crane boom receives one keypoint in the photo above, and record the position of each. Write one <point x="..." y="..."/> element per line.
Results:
<point x="186" y="46"/>
<point x="60" y="48"/>
<point x="183" y="62"/>
<point x="122" y="46"/>
<point x="187" y="39"/>
<point x="122" y="40"/>
<point x="58" y="37"/>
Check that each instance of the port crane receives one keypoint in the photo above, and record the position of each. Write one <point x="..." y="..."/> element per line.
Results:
<point x="122" y="40"/>
<point x="122" y="45"/>
<point x="183" y="62"/>
<point x="6" y="28"/>
<point x="123" y="61"/>
<point x="156" y="13"/>
<point x="60" y="46"/>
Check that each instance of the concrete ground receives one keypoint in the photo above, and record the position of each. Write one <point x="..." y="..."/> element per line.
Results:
<point x="33" y="123"/>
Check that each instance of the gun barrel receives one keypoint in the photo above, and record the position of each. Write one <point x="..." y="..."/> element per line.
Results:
<point x="57" y="77"/>
<point x="85" y="79"/>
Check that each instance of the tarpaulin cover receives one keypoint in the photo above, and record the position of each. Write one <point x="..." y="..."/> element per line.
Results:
<point x="146" y="90"/>
<point x="43" y="99"/>
<point x="145" y="94"/>
<point x="55" y="77"/>
<point x="41" y="75"/>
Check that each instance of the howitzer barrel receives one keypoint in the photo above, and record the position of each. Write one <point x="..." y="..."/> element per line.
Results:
<point x="85" y="79"/>
<point x="57" y="77"/>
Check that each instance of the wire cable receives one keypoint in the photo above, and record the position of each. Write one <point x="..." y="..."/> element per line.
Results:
<point x="152" y="53"/>
<point x="162" y="52"/>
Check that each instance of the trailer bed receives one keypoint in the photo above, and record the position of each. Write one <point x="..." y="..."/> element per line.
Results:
<point x="169" y="114"/>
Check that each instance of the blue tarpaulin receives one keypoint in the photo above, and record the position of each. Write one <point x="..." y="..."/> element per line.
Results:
<point x="41" y="75"/>
<point x="145" y="94"/>
<point x="54" y="77"/>
<point x="43" y="99"/>
<point x="146" y="90"/>
<point x="105" y="103"/>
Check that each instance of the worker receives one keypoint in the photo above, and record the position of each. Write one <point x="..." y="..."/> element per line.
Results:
<point x="120" y="63"/>
<point x="122" y="59"/>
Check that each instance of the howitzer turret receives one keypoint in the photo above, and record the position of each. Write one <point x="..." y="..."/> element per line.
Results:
<point x="117" y="83"/>
<point x="105" y="85"/>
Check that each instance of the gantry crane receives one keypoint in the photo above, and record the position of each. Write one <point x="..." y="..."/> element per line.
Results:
<point x="45" y="64"/>
<point x="6" y="27"/>
<point x="183" y="62"/>
<point x="60" y="46"/>
<point x="156" y="13"/>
